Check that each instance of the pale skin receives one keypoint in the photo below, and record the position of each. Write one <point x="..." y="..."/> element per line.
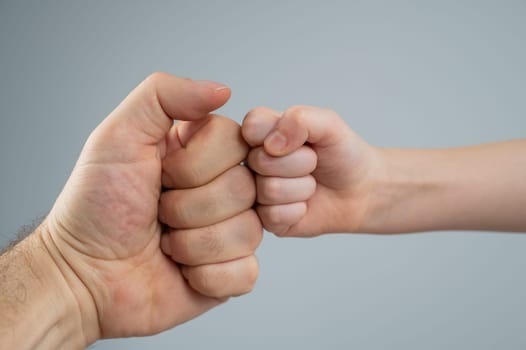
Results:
<point x="314" y="175"/>
<point x="99" y="266"/>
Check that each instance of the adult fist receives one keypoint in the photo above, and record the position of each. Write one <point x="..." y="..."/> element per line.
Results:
<point x="103" y="231"/>
<point x="213" y="232"/>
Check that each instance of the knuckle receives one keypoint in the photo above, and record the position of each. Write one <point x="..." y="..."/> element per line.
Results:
<point x="334" y="118"/>
<point x="209" y="207"/>
<point x="259" y="110"/>
<point x="195" y="174"/>
<point x="203" y="282"/>
<point x="311" y="185"/>
<point x="331" y="114"/>
<point x="173" y="212"/>
<point x="256" y="232"/>
<point x="252" y="274"/>
<point x="221" y="125"/>
<point x="273" y="188"/>
<point x="190" y="175"/>
<point x="249" y="126"/>
<point x="254" y="123"/>
<point x="253" y="270"/>
<point x="227" y="134"/>
<point x="206" y="281"/>
<point x="296" y="112"/>
<point x="148" y="90"/>
<point x="311" y="158"/>
<point x="219" y="282"/>
<point x="250" y="120"/>
<point x="181" y="248"/>
<point x="271" y="216"/>
<point x="225" y="124"/>
<point x="269" y="189"/>
<point x="154" y="77"/>
<point x="274" y="214"/>
<point x="153" y="80"/>
<point x="211" y="241"/>
<point x="182" y="215"/>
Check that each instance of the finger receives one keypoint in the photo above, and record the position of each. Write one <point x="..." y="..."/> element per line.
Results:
<point x="301" y="124"/>
<point x="232" y="278"/>
<point x="196" y="154"/>
<point x="226" y="196"/>
<point x="299" y="163"/>
<point x="279" y="190"/>
<point x="278" y="218"/>
<point x="166" y="282"/>
<point x="257" y="124"/>
<point x="147" y="113"/>
<point x="231" y="239"/>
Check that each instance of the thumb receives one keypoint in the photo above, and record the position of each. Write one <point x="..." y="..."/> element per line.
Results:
<point x="301" y="124"/>
<point x="146" y="115"/>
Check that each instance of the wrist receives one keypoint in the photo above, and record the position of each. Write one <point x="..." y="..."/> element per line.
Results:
<point x="406" y="189"/>
<point x="81" y="313"/>
<point x="386" y="181"/>
<point x="39" y="309"/>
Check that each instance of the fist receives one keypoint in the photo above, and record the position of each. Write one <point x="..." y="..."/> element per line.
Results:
<point x="212" y="230"/>
<point x="314" y="175"/>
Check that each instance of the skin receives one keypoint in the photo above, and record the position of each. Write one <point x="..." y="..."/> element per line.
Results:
<point x="314" y="175"/>
<point x="99" y="265"/>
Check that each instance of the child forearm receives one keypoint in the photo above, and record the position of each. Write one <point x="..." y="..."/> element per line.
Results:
<point x="473" y="188"/>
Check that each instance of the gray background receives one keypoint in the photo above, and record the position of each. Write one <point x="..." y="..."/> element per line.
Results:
<point x="421" y="74"/>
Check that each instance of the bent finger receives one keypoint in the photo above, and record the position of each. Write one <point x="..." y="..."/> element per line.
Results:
<point x="226" y="196"/>
<point x="296" y="164"/>
<point x="301" y="124"/>
<point x="258" y="123"/>
<point x="230" y="239"/>
<point x="278" y="218"/>
<point x="232" y="278"/>
<point x="279" y="190"/>
<point x="198" y="152"/>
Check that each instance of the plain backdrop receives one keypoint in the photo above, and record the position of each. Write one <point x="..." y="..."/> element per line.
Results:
<point x="401" y="73"/>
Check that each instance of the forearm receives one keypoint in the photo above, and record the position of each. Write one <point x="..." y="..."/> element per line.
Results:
<point x="38" y="311"/>
<point x="472" y="188"/>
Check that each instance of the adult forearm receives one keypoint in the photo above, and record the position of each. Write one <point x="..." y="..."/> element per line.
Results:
<point x="473" y="188"/>
<point x="37" y="310"/>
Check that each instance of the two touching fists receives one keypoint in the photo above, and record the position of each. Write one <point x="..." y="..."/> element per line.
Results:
<point x="137" y="259"/>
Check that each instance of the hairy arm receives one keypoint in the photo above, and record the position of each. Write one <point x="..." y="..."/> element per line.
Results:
<point x="38" y="309"/>
<point x="471" y="188"/>
<point x="96" y="267"/>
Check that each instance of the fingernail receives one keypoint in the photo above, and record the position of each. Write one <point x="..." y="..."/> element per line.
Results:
<point x="165" y="244"/>
<point x="276" y="141"/>
<point x="212" y="84"/>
